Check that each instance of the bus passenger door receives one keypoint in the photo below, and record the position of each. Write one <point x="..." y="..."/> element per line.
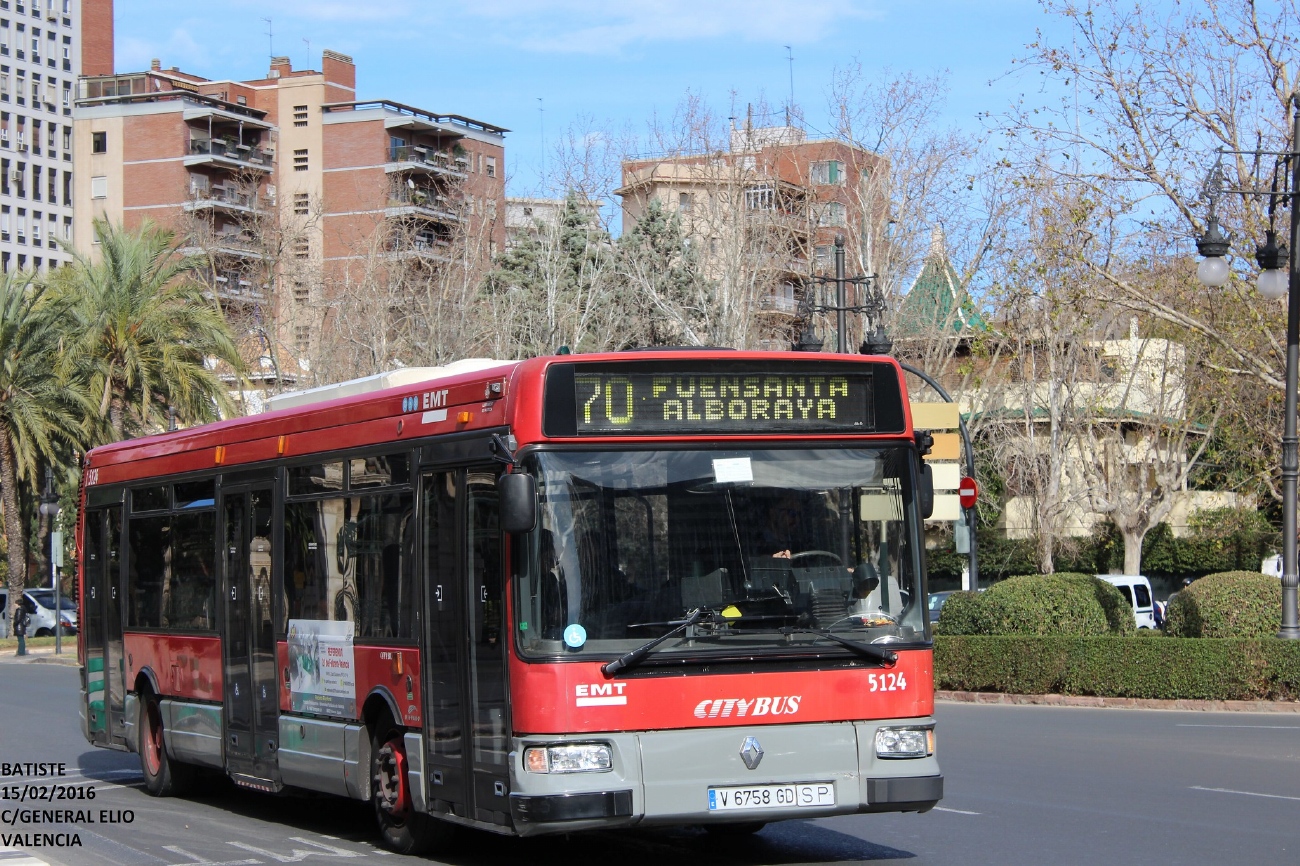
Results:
<point x="443" y="711"/>
<point x="251" y="697"/>
<point x="466" y="722"/>
<point x="102" y="621"/>
<point x="489" y="740"/>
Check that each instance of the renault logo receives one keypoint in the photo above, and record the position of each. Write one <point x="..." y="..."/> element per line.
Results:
<point x="751" y="752"/>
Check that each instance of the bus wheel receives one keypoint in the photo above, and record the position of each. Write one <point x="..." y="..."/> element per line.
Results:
<point x="163" y="777"/>
<point x="404" y="830"/>
<point x="748" y="828"/>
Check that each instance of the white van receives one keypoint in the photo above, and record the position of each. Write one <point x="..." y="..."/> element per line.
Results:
<point x="40" y="604"/>
<point x="1136" y="589"/>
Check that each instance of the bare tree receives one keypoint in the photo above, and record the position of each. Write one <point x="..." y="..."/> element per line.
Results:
<point x="1145" y="95"/>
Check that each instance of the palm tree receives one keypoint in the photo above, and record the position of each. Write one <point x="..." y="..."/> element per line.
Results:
<point x="37" y="413"/>
<point x="145" y="335"/>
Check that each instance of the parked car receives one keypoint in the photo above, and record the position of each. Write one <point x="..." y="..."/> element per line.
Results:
<point x="40" y="605"/>
<point x="1136" y="590"/>
<point x="936" y="604"/>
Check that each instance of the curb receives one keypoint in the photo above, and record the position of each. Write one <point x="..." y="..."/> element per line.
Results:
<point x="66" y="659"/>
<point x="1119" y="703"/>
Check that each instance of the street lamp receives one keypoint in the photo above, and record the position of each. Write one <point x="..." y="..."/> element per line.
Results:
<point x="50" y="509"/>
<point x="1272" y="257"/>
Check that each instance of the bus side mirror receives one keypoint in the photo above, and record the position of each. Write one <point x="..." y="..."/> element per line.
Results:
<point x="517" y="497"/>
<point x="925" y="491"/>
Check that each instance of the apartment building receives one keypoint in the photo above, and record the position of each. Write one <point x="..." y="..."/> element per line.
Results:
<point x="42" y="52"/>
<point x="773" y="201"/>
<point x="288" y="186"/>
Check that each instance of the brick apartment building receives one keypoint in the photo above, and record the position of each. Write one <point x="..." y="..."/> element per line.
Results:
<point x="288" y="185"/>
<point x="44" y="46"/>
<point x="774" y="200"/>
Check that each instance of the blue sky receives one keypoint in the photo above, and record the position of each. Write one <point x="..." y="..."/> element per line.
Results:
<point x="618" y="63"/>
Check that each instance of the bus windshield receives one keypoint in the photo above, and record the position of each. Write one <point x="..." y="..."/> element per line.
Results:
<point x="772" y="545"/>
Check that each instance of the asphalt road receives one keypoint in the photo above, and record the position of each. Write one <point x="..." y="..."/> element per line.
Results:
<point x="1024" y="785"/>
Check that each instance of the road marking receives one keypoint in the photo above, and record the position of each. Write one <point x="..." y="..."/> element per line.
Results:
<point x="196" y="860"/>
<point x="957" y="811"/>
<point x="1245" y="793"/>
<point x="14" y="857"/>
<point x="298" y="855"/>
<point x="1260" y="727"/>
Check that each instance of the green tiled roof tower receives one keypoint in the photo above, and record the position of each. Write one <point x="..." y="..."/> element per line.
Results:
<point x="936" y="303"/>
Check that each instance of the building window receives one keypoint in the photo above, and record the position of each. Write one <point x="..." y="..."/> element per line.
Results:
<point x="833" y="214"/>
<point x="67" y="229"/>
<point x="99" y="142"/>
<point x="301" y="248"/>
<point x="302" y="338"/>
<point x="684" y="201"/>
<point x="301" y="202"/>
<point x="300" y="160"/>
<point x="67" y="138"/>
<point x="241" y="100"/>
<point x="301" y="293"/>
<point x="828" y="172"/>
<point x="99" y="187"/>
<point x="300" y="115"/>
<point x="760" y="198"/>
<point x="491" y="166"/>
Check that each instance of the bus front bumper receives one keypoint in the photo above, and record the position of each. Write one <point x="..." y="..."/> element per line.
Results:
<point x="693" y="776"/>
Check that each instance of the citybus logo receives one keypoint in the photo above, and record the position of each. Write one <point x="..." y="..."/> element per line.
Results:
<point x="725" y="708"/>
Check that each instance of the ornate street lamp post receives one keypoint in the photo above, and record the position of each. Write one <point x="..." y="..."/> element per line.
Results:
<point x="1273" y="284"/>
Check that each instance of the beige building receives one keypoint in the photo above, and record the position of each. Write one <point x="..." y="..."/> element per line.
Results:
<point x="770" y="207"/>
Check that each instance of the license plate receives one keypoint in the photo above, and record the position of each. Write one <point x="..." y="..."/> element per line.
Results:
<point x="771" y="797"/>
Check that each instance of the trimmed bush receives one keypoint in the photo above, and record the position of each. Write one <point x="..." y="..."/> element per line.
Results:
<point x="959" y="614"/>
<point x="1061" y="604"/>
<point x="1116" y="608"/>
<point x="1231" y="604"/>
<point x="1205" y="669"/>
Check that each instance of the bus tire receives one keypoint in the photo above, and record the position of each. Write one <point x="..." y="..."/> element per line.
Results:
<point x="404" y="830"/>
<point x="163" y="776"/>
<point x="745" y="828"/>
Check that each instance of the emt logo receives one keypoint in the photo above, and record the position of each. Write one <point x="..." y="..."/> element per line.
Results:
<point x="600" y="694"/>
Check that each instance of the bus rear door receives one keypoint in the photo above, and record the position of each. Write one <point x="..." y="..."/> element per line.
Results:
<point x="102" y="622"/>
<point x="251" y="697"/>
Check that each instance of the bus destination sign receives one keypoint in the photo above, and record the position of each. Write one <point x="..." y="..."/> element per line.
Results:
<point x="634" y="402"/>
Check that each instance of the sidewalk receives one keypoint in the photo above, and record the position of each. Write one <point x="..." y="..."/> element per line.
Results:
<point x="42" y="655"/>
<point x="1120" y="703"/>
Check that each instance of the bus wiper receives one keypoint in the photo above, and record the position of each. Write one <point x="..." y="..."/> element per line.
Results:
<point x="636" y="656"/>
<point x="884" y="656"/>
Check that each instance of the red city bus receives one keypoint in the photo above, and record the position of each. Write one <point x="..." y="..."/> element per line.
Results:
<point x="645" y="588"/>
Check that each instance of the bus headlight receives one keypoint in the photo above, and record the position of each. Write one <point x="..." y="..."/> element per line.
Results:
<point x="904" y="742"/>
<point x="576" y="758"/>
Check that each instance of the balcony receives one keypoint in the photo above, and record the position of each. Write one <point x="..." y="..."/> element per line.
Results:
<point x="784" y="304"/>
<point x="421" y="204"/>
<point x="223" y="199"/>
<point x="233" y="290"/>
<point x="422" y="248"/>
<point x="226" y="243"/>
<point x="418" y="158"/>
<point x="226" y="154"/>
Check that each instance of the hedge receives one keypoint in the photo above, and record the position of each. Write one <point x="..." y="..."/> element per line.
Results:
<point x="1202" y="669"/>
<point x="1229" y="604"/>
